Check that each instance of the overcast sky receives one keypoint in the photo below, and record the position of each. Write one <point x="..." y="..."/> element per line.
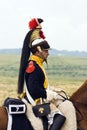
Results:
<point x="65" y="22"/>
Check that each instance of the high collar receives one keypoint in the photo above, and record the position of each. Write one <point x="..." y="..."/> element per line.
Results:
<point x="37" y="59"/>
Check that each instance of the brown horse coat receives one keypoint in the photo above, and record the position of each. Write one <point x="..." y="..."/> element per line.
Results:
<point x="79" y="99"/>
<point x="3" y="118"/>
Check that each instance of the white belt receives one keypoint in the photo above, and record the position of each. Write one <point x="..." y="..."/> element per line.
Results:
<point x="31" y="100"/>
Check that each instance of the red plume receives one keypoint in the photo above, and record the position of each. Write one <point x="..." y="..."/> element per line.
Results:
<point x="42" y="34"/>
<point x="33" y="23"/>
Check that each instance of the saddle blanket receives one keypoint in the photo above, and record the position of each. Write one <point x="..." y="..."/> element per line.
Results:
<point x="18" y="122"/>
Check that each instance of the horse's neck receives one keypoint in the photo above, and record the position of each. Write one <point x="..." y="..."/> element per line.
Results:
<point x="81" y="94"/>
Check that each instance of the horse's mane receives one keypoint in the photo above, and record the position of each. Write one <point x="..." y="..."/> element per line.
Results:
<point x="81" y="94"/>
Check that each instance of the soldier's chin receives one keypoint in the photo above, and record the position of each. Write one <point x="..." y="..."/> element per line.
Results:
<point x="45" y="60"/>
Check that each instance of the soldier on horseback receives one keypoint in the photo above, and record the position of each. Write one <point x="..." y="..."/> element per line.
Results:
<point x="34" y="52"/>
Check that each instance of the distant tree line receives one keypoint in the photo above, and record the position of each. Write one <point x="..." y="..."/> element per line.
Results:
<point x="52" y="52"/>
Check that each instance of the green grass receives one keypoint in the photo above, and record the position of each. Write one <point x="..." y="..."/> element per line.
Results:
<point x="67" y="73"/>
<point x="67" y="70"/>
<point x="9" y="67"/>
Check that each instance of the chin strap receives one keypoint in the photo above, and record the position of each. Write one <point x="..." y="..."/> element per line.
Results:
<point x="39" y="49"/>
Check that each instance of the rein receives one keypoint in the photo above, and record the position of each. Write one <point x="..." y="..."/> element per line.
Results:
<point x="64" y="97"/>
<point x="62" y="94"/>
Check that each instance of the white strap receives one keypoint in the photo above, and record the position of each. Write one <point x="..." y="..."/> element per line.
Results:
<point x="9" y="125"/>
<point x="30" y="98"/>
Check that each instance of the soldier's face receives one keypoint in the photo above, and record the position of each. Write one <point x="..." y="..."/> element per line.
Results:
<point x="45" y="53"/>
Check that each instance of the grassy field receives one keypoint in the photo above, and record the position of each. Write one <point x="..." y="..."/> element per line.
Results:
<point x="67" y="73"/>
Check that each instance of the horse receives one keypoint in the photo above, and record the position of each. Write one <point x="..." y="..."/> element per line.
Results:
<point x="3" y="118"/>
<point x="79" y="100"/>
